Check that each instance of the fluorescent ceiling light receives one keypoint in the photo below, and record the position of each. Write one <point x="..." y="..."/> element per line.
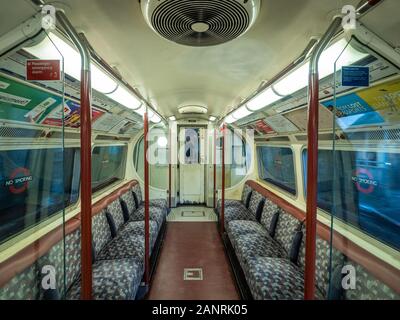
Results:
<point x="337" y="50"/>
<point x="162" y="142"/>
<point x="192" y="109"/>
<point x="298" y="79"/>
<point x="212" y="118"/>
<point x="262" y="100"/>
<point x="172" y="118"/>
<point x="141" y="110"/>
<point x="125" y="97"/>
<point x="241" y="113"/>
<point x="294" y="81"/>
<point x="230" y="119"/>
<point x="47" y="49"/>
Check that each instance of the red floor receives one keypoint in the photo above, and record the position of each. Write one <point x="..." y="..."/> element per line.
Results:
<point x="193" y="245"/>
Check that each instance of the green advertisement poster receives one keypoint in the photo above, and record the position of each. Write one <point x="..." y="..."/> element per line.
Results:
<point x="19" y="102"/>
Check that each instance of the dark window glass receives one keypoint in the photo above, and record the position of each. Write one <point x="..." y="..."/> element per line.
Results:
<point x="35" y="184"/>
<point x="366" y="188"/>
<point x="277" y="167"/>
<point x="107" y="166"/>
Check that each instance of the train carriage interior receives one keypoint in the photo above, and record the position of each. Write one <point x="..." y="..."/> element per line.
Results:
<point x="200" y="150"/>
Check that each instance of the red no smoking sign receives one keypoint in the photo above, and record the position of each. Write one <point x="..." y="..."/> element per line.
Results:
<point x="43" y="70"/>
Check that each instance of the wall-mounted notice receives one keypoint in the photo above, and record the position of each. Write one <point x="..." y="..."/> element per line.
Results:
<point x="280" y="124"/>
<point x="107" y="122"/>
<point x="353" y="76"/>
<point x="122" y="127"/>
<point x="262" y="127"/>
<point x="43" y="70"/>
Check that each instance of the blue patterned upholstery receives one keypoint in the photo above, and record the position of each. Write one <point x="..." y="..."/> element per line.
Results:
<point x="231" y="202"/>
<point x="270" y="209"/>
<point x="135" y="228"/>
<point x="115" y="211"/>
<point x="158" y="203"/>
<point x="124" y="248"/>
<point x="237" y="228"/>
<point x="286" y="228"/>
<point x="156" y="214"/>
<point x="255" y="200"/>
<point x="253" y="245"/>
<point x="129" y="200"/>
<point x="275" y="279"/>
<point x="237" y="213"/>
<point x="101" y="233"/>
<point x="112" y="280"/>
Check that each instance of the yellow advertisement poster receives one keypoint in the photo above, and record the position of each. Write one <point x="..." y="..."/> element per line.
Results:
<point x="385" y="99"/>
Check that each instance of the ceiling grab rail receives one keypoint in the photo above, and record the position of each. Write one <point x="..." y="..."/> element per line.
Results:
<point x="86" y="157"/>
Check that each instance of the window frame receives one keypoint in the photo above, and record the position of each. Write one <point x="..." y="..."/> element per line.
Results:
<point x="106" y="185"/>
<point x="271" y="184"/>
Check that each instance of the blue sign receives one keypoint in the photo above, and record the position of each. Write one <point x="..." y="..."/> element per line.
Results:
<point x="351" y="110"/>
<point x="355" y="76"/>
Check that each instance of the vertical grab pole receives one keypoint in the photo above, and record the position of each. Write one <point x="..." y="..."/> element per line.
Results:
<point x="169" y="167"/>
<point x="312" y="160"/>
<point x="215" y="168"/>
<point x="86" y="157"/>
<point x="223" y="181"/>
<point x="146" y="200"/>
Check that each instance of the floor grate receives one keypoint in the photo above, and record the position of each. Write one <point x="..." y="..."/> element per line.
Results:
<point x="193" y="274"/>
<point x="193" y="214"/>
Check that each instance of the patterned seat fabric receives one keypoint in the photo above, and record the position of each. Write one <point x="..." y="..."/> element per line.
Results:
<point x="156" y="214"/>
<point x="255" y="204"/>
<point x="136" y="228"/>
<point x="275" y="279"/>
<point x="131" y="247"/>
<point x="112" y="280"/>
<point x="129" y="201"/>
<point x="237" y="228"/>
<point x="116" y="215"/>
<point x="286" y="229"/>
<point x="237" y="213"/>
<point x="230" y="202"/>
<point x="253" y="245"/>
<point x="157" y="203"/>
<point x="268" y="216"/>
<point x="101" y="233"/>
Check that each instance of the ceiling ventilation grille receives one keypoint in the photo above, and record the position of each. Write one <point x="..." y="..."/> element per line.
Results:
<point x="200" y="22"/>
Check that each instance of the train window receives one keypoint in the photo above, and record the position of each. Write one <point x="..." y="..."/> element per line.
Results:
<point x="107" y="166"/>
<point x="158" y="158"/>
<point x="365" y="192"/>
<point x="35" y="185"/>
<point x="237" y="158"/>
<point x="276" y="166"/>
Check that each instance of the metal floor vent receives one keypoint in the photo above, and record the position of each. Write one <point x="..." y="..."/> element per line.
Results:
<point x="200" y="22"/>
<point x="193" y="274"/>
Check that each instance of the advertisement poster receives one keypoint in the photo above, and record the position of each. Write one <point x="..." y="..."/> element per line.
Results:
<point x="385" y="99"/>
<point x="72" y="115"/>
<point x="262" y="127"/>
<point x="19" y="102"/>
<point x="351" y="110"/>
<point x="107" y="122"/>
